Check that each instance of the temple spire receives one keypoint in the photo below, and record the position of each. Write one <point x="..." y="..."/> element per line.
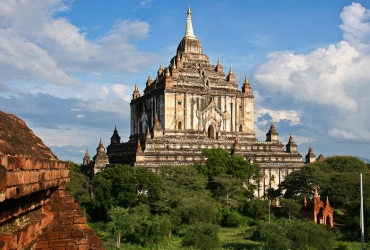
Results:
<point x="189" y="33"/>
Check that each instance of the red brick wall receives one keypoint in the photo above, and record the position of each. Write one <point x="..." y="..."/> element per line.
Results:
<point x="36" y="211"/>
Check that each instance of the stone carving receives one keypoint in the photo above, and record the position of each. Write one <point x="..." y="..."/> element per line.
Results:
<point x="211" y="114"/>
<point x="144" y="121"/>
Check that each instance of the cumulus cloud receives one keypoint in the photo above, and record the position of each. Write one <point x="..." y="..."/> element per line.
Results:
<point x="35" y="45"/>
<point x="122" y="91"/>
<point x="341" y="134"/>
<point x="335" y="79"/>
<point x="291" y="116"/>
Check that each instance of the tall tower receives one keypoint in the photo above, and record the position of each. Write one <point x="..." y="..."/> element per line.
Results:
<point x="291" y="146"/>
<point x="310" y="156"/>
<point x="272" y="135"/>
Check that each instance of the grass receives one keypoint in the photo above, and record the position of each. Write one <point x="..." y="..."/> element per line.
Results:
<point x="236" y="238"/>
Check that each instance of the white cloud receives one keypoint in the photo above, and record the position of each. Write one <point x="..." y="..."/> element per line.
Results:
<point x="104" y="92"/>
<point x="322" y="76"/>
<point x="341" y="134"/>
<point x="356" y="26"/>
<point x="79" y="116"/>
<point x="335" y="79"/>
<point x="35" y="45"/>
<point x="262" y="122"/>
<point x="289" y="115"/>
<point x="143" y="4"/>
<point x="122" y="91"/>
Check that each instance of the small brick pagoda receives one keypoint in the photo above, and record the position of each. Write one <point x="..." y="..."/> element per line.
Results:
<point x="317" y="210"/>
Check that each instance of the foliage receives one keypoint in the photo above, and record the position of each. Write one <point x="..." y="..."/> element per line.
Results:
<point x="217" y="162"/>
<point x="179" y="183"/>
<point x="157" y="229"/>
<point x="292" y="208"/>
<point x="75" y="167"/>
<point x="229" y="176"/>
<point x="337" y="177"/>
<point x="295" y="235"/>
<point x="120" y="223"/>
<point x="231" y="219"/>
<point x="198" y="209"/>
<point x="302" y="182"/>
<point x="256" y="208"/>
<point x="229" y="190"/>
<point x="220" y="162"/>
<point x="78" y="185"/>
<point x="181" y="206"/>
<point x="125" y="186"/>
<point x="202" y="236"/>
<point x="351" y="219"/>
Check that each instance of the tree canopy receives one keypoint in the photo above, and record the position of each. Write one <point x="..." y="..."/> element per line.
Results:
<point x="337" y="178"/>
<point x="125" y="186"/>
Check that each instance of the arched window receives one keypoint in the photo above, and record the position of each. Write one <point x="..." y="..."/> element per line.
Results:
<point x="211" y="132"/>
<point x="179" y="125"/>
<point x="272" y="177"/>
<point x="241" y="128"/>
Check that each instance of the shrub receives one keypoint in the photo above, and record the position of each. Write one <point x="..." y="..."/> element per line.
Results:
<point x="231" y="219"/>
<point x="201" y="236"/>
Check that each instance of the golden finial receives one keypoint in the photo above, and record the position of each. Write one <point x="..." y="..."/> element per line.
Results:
<point x="231" y="71"/>
<point x="246" y="79"/>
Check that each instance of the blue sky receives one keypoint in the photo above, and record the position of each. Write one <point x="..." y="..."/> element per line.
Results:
<point x="68" y="68"/>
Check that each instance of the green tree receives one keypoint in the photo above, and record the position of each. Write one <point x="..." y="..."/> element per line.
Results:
<point x="351" y="219"/>
<point x="337" y="177"/>
<point x="295" y="235"/>
<point x="229" y="190"/>
<point x="202" y="236"/>
<point x="217" y="162"/>
<point x="157" y="229"/>
<point x="125" y="186"/>
<point x="302" y="182"/>
<point x="256" y="208"/>
<point x="79" y="185"/>
<point x="121" y="223"/>
<point x="220" y="162"/>
<point x="291" y="207"/>
<point x="198" y="209"/>
<point x="75" y="167"/>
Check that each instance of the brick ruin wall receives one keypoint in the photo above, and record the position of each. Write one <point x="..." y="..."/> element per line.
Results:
<point x="36" y="210"/>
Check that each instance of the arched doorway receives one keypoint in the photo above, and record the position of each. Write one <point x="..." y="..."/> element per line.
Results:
<point x="179" y="125"/>
<point x="328" y="221"/>
<point x="211" y="132"/>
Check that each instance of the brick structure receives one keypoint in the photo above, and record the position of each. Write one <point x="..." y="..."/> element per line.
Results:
<point x="36" y="212"/>
<point x="317" y="210"/>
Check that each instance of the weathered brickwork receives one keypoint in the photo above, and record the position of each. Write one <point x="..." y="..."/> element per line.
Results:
<point x="68" y="230"/>
<point x="36" y="211"/>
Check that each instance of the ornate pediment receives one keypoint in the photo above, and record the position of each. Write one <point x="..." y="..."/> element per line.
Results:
<point x="211" y="114"/>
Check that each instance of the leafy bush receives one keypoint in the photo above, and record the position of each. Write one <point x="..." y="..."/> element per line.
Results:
<point x="231" y="219"/>
<point x="198" y="209"/>
<point x="256" y="208"/>
<point x="202" y="236"/>
<point x="157" y="229"/>
<point x="295" y="235"/>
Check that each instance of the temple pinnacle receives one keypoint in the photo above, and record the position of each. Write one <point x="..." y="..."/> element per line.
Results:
<point x="189" y="33"/>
